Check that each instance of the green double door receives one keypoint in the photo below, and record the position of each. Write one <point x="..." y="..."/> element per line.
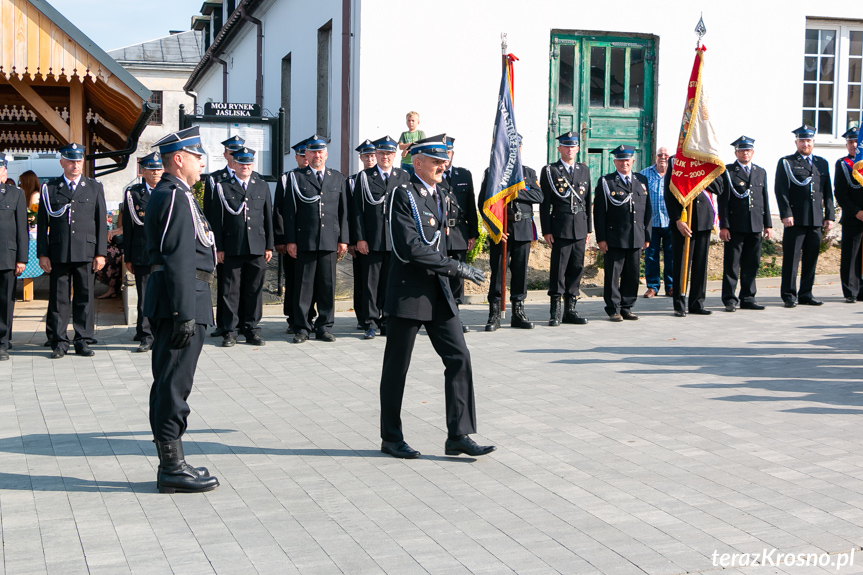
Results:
<point x="603" y="87"/>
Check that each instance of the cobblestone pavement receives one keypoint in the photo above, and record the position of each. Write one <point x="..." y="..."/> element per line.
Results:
<point x="641" y="447"/>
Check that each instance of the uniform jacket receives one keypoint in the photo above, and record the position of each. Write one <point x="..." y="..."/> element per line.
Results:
<point x="134" y="235"/>
<point x="210" y="196"/>
<point x="460" y="205"/>
<point x="849" y="193"/>
<point x="702" y="217"/>
<point x="80" y="234"/>
<point x="369" y="221"/>
<point x="626" y="226"/>
<point x="808" y="207"/>
<point x="320" y="225"/>
<point x="568" y="218"/>
<point x="175" y="292"/>
<point x="251" y="231"/>
<point x="14" y="238"/>
<point x="419" y="274"/>
<point x="521" y="229"/>
<point x="750" y="214"/>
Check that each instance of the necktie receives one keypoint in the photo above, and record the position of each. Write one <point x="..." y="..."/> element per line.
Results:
<point x="71" y="187"/>
<point x="809" y="159"/>
<point x="320" y="178"/>
<point x="446" y="175"/>
<point x="385" y="178"/>
<point x="626" y="180"/>
<point x="746" y="169"/>
<point x="437" y="201"/>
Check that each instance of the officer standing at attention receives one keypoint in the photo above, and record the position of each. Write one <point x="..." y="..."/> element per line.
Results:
<point x="520" y="233"/>
<point x="805" y="200"/>
<point x="177" y="302"/>
<point x="210" y="201"/>
<point x="316" y="231"/>
<point x="14" y="236"/>
<point x="566" y="218"/>
<point x="462" y="224"/>
<point x="419" y="294"/>
<point x="744" y="215"/>
<point x="623" y="217"/>
<point x="366" y="151"/>
<point x="849" y="195"/>
<point x="369" y="229"/>
<point x="243" y="226"/>
<point x="134" y="209"/>
<point x="71" y="240"/>
<point x="279" y="232"/>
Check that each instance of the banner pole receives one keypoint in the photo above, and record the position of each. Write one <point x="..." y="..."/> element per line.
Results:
<point x="505" y="63"/>
<point x="686" y="262"/>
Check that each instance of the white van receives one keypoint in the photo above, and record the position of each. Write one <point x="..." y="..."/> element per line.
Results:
<point x="46" y="165"/>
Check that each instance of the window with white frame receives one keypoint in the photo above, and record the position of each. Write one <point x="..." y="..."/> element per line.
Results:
<point x="832" y="82"/>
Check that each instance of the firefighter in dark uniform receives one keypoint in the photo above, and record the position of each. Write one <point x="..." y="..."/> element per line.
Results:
<point x="177" y="303"/>
<point x="71" y="241"/>
<point x="744" y="216"/>
<point x="419" y="294"/>
<point x="520" y="232"/>
<point x="462" y="223"/>
<point x="14" y="236"/>
<point x="566" y="219"/>
<point x="279" y="232"/>
<point x="805" y="199"/>
<point x="622" y="214"/>
<point x="134" y="210"/>
<point x="243" y="225"/>
<point x="315" y="213"/>
<point x="210" y="201"/>
<point x="366" y="151"/>
<point x="849" y="195"/>
<point x="369" y="228"/>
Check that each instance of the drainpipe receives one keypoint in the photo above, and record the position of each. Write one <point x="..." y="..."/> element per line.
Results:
<point x="224" y="77"/>
<point x="346" y="88"/>
<point x="259" y="82"/>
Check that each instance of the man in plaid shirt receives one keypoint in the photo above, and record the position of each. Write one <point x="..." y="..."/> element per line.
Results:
<point x="660" y="240"/>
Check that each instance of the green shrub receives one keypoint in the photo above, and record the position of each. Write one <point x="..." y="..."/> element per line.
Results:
<point x="769" y="270"/>
<point x="770" y="248"/>
<point x="481" y="245"/>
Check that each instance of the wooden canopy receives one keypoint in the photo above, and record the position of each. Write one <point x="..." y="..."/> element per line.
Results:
<point x="57" y="86"/>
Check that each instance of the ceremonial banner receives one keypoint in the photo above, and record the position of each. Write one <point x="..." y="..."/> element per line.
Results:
<point x="697" y="161"/>
<point x="505" y="176"/>
<point x="858" y="162"/>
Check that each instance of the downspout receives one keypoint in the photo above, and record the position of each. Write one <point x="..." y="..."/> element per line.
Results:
<point x="346" y="88"/>
<point x="194" y="97"/>
<point x="259" y="81"/>
<point x="147" y="111"/>
<point x="224" y="77"/>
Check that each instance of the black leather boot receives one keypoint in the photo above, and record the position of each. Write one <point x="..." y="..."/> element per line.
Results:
<point x="571" y="316"/>
<point x="493" y="317"/>
<point x="176" y="475"/>
<point x="554" y="320"/>
<point x="519" y="320"/>
<point x="202" y="471"/>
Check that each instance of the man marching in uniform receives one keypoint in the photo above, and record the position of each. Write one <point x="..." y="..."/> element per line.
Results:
<point x="744" y="215"/>
<point x="369" y="228"/>
<point x="519" y="235"/>
<point x="419" y="294"/>
<point x="71" y="240"/>
<point x="243" y="226"/>
<point x="805" y="201"/>
<point x="134" y="209"/>
<point x="849" y="195"/>
<point x="13" y="260"/>
<point x="566" y="218"/>
<point x="462" y="228"/>
<point x="622" y="213"/>
<point x="366" y="151"/>
<point x="177" y="302"/>
<point x="315" y="214"/>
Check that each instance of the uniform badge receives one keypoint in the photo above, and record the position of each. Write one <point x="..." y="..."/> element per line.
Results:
<point x="431" y="221"/>
<point x="613" y="193"/>
<point x="423" y="192"/>
<point x="141" y="214"/>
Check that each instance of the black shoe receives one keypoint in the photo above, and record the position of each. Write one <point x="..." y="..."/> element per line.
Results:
<point x="361" y="326"/>
<point x="220" y="332"/>
<point x="81" y="348"/>
<point x="628" y="315"/>
<point x="325" y="336"/>
<point x="556" y="311"/>
<point x="464" y="444"/>
<point x="229" y="341"/>
<point x="850" y="299"/>
<point x="175" y="475"/>
<point x="700" y="311"/>
<point x="811" y="301"/>
<point x="300" y="337"/>
<point x="493" y="321"/>
<point x="678" y="313"/>
<point x="370" y="333"/>
<point x="615" y="317"/>
<point x="790" y="303"/>
<point x="144" y="347"/>
<point x="465" y="328"/>
<point x="399" y="449"/>
<point x="4" y="355"/>
<point x="730" y="307"/>
<point x="752" y="305"/>
<point x="58" y="353"/>
<point x="255" y="339"/>
<point x="519" y="319"/>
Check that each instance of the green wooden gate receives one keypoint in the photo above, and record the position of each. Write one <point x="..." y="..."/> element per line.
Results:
<point x="603" y="87"/>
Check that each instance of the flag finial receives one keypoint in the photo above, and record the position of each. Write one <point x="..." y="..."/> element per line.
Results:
<point x="503" y="42"/>
<point x="700" y="30"/>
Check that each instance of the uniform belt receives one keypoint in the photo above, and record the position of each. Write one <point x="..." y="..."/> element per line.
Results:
<point x="453" y="222"/>
<point x="518" y="216"/>
<point x="199" y="274"/>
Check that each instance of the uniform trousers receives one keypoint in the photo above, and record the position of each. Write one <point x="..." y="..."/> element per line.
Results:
<point x="142" y="329"/>
<point x="456" y="284"/>
<point x="699" y="245"/>
<point x="660" y="243"/>
<point x="797" y="240"/>
<point x="742" y="253"/>
<point x="567" y="267"/>
<point x="173" y="376"/>
<point x="620" y="290"/>
<point x="314" y="283"/>
<point x="220" y="297"/>
<point x="446" y="336"/>
<point x="850" y="262"/>
<point x="7" y="306"/>
<point x="375" y="270"/>
<point x="288" y="264"/>
<point x="359" y="282"/>
<point x="242" y="287"/>
<point x="517" y="254"/>
<point x="64" y="278"/>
